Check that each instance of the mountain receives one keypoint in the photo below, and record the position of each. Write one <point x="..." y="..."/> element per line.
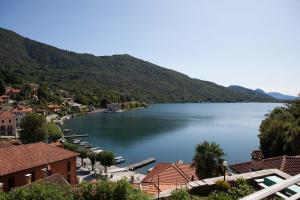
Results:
<point x="278" y="95"/>
<point x="117" y="77"/>
<point x="257" y="95"/>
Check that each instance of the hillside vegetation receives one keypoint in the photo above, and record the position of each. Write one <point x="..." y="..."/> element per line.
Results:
<point x="118" y="78"/>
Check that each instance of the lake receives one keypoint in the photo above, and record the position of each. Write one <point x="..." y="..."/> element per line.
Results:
<point x="170" y="132"/>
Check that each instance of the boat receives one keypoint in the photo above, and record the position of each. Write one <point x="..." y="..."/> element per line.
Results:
<point x="87" y="145"/>
<point x="76" y="141"/>
<point x="119" y="157"/>
<point x="118" y="161"/>
<point x="97" y="151"/>
<point x="83" y="143"/>
<point x="67" y="131"/>
<point x="95" y="148"/>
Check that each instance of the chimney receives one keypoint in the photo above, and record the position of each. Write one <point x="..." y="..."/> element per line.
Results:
<point x="28" y="178"/>
<point x="1" y="187"/>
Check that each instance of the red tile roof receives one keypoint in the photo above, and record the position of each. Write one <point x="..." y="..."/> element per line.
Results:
<point x="53" y="180"/>
<point x="21" y="157"/>
<point x="7" y="114"/>
<point x="287" y="164"/>
<point x="5" y="144"/>
<point x="171" y="174"/>
<point x="22" y="109"/>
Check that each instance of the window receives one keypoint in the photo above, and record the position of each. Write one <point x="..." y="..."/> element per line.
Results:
<point x="2" y="128"/>
<point x="69" y="178"/>
<point x="11" y="183"/>
<point x="69" y="166"/>
<point x="10" y="121"/>
<point x="2" y="121"/>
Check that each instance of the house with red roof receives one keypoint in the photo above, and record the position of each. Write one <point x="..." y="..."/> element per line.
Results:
<point x="20" y="112"/>
<point x="23" y="164"/>
<point x="165" y="176"/>
<point x="12" y="92"/>
<point x="8" y="125"/>
<point x="287" y="164"/>
<point x="4" y="99"/>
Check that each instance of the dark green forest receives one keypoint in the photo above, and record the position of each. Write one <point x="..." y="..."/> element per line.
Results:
<point x="280" y="131"/>
<point x="118" y="78"/>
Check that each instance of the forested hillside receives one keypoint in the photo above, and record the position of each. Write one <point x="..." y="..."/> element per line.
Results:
<point x="117" y="78"/>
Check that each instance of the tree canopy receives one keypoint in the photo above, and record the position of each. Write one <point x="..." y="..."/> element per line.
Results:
<point x="208" y="159"/>
<point x="118" y="78"/>
<point x="53" y="131"/>
<point x="106" y="159"/>
<point x="32" y="128"/>
<point x="280" y="131"/>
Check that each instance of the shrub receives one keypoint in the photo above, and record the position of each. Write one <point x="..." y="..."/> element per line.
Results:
<point x="180" y="194"/>
<point x="222" y="185"/>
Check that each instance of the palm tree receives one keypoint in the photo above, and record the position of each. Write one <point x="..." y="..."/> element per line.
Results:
<point x="208" y="160"/>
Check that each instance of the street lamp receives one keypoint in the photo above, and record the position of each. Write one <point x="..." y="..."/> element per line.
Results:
<point x="224" y="164"/>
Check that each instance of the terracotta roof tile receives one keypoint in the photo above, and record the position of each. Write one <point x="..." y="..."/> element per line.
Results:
<point x="5" y="144"/>
<point x="22" y="109"/>
<point x="7" y="114"/>
<point x="287" y="164"/>
<point x="55" y="179"/>
<point x="21" y="157"/>
<point x="171" y="174"/>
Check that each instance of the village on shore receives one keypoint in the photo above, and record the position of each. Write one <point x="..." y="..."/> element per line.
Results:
<point x="59" y="161"/>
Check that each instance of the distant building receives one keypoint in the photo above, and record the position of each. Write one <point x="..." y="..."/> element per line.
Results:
<point x="78" y="107"/>
<point x="68" y="100"/>
<point x="287" y="164"/>
<point x="34" y="87"/>
<point x="20" y="112"/>
<point x="12" y="92"/>
<point x="113" y="107"/>
<point x="8" y="125"/>
<point x="165" y="176"/>
<point x="23" y="164"/>
<point x="54" y="108"/>
<point x="4" y="99"/>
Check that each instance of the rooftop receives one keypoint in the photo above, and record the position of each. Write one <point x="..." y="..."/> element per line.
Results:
<point x="22" y="109"/>
<point x="6" y="114"/>
<point x="287" y="164"/>
<point x="21" y="157"/>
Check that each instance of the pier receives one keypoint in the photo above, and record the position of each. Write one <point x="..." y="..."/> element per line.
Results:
<point x="140" y="164"/>
<point x="71" y="136"/>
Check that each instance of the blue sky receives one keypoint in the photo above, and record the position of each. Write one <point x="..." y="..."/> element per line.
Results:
<point x="254" y="43"/>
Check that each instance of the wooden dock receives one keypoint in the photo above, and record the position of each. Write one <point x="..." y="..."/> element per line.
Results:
<point x="72" y="136"/>
<point x="140" y="164"/>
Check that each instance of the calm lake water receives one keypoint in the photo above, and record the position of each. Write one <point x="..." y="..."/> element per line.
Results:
<point x="169" y="132"/>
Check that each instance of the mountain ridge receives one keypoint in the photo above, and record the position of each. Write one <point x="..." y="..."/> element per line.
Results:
<point x="117" y="77"/>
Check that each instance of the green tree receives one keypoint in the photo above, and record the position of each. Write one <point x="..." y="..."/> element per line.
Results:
<point x="124" y="191"/>
<point x="53" y="131"/>
<point x="280" y="131"/>
<point x="93" y="158"/>
<point x="26" y="91"/>
<point x="2" y="88"/>
<point x="180" y="194"/>
<point x="3" y="196"/>
<point x="106" y="159"/>
<point x="208" y="159"/>
<point x="71" y="146"/>
<point x="82" y="154"/>
<point x="41" y="192"/>
<point x="32" y="128"/>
